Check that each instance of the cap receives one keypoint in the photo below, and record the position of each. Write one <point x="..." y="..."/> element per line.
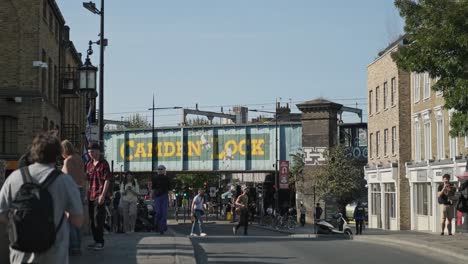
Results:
<point x="94" y="146"/>
<point x="161" y="167"/>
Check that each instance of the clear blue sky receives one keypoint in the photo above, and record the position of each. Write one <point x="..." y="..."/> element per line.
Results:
<point x="237" y="52"/>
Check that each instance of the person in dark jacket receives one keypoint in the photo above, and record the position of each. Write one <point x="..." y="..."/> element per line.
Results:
<point x="359" y="217"/>
<point x="160" y="189"/>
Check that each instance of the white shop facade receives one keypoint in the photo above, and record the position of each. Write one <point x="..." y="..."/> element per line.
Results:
<point x="424" y="179"/>
<point x="382" y="197"/>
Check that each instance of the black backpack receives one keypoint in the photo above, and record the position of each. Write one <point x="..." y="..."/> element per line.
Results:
<point x="31" y="225"/>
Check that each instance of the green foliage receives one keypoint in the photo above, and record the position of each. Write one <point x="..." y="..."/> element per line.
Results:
<point x="437" y="33"/>
<point x="136" y="121"/>
<point x="296" y="167"/>
<point x="196" y="180"/>
<point x="198" y="121"/>
<point x="340" y="177"/>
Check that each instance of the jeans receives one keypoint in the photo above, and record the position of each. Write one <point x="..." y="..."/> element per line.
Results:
<point x="97" y="215"/>
<point x="129" y="212"/>
<point x="160" y="209"/>
<point x="75" y="232"/>
<point x="244" y="220"/>
<point x="199" y="220"/>
<point x="359" y="226"/>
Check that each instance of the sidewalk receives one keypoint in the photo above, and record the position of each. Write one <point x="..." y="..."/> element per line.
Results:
<point x="455" y="247"/>
<point x="139" y="248"/>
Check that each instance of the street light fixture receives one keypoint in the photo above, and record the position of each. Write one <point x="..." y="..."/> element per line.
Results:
<point x="102" y="42"/>
<point x="153" y="155"/>
<point x="276" y="152"/>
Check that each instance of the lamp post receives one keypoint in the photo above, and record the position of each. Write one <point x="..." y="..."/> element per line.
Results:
<point x="87" y="77"/>
<point x="276" y="153"/>
<point x="153" y="154"/>
<point x="102" y="43"/>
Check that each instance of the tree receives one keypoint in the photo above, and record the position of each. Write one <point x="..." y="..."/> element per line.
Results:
<point x="136" y="121"/>
<point x="341" y="177"/>
<point x="296" y="167"/>
<point x="437" y="37"/>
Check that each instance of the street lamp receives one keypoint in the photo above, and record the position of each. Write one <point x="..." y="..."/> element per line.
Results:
<point x="102" y="42"/>
<point x="276" y="153"/>
<point x="87" y="85"/>
<point x="153" y="155"/>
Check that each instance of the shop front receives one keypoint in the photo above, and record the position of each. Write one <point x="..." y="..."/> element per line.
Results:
<point x="382" y="195"/>
<point x="424" y="179"/>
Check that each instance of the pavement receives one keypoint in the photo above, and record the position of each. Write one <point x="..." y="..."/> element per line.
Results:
<point x="453" y="247"/>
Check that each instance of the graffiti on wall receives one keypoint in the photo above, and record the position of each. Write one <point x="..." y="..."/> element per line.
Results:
<point x="314" y="155"/>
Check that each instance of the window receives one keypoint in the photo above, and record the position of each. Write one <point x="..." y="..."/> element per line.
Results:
<point x="393" y="140"/>
<point x="55" y="90"/>
<point x="453" y="142"/>
<point x="417" y="141"/>
<point x="8" y="135"/>
<point x="423" y="196"/>
<point x="50" y="80"/>
<point x="427" y="140"/>
<point x="416" y="87"/>
<point x="375" y="199"/>
<point x="427" y="86"/>
<point x="371" y="138"/>
<point x="385" y="90"/>
<point x="44" y="73"/>
<point x="393" y="92"/>
<point x="377" y="94"/>
<point x="377" y="144"/>
<point x="390" y="200"/>
<point x="44" y="10"/>
<point x="370" y="102"/>
<point x="385" y="139"/>
<point x="440" y="138"/>
<point x="51" y="22"/>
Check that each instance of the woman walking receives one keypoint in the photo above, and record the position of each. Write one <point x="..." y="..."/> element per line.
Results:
<point x="128" y="202"/>
<point x="241" y="204"/>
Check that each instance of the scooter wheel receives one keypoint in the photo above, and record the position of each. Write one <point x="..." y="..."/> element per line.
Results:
<point x="348" y="234"/>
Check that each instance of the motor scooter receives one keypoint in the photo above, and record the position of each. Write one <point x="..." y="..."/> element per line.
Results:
<point x="145" y="213"/>
<point x="337" y="225"/>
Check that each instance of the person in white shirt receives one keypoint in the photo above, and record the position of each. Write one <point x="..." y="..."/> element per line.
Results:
<point x="198" y="212"/>
<point x="130" y="190"/>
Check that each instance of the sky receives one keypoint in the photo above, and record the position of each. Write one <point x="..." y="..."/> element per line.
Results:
<point x="233" y="52"/>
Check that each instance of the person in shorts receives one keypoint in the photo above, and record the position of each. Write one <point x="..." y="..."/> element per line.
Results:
<point x="445" y="194"/>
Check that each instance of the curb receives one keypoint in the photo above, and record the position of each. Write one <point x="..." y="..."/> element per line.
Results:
<point x="272" y="229"/>
<point x="184" y="251"/>
<point x="414" y="246"/>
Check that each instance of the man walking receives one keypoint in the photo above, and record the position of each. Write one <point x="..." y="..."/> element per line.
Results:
<point x="303" y="214"/>
<point x="160" y="189"/>
<point x="64" y="196"/>
<point x="359" y="217"/>
<point x="445" y="192"/>
<point x="241" y="204"/>
<point x="73" y="165"/>
<point x="198" y="212"/>
<point x="318" y="212"/>
<point x="98" y="173"/>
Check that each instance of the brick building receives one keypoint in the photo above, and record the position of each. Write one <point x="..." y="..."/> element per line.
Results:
<point x="32" y="59"/>
<point x="434" y="153"/>
<point x="389" y="135"/>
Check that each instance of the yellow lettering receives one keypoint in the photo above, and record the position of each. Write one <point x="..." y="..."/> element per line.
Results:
<point x="140" y="151"/>
<point x="234" y="147"/>
<point x="194" y="148"/>
<point x="150" y="149"/>
<point x="179" y="149"/>
<point x="159" y="149"/>
<point x="131" y="144"/>
<point x="167" y="146"/>
<point x="242" y="150"/>
<point x="257" y="149"/>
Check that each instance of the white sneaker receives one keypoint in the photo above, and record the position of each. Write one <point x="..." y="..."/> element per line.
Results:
<point x="202" y="234"/>
<point x="193" y="235"/>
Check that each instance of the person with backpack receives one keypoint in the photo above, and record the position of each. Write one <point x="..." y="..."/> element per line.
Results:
<point x="28" y="199"/>
<point x="99" y="178"/>
<point x="445" y="194"/>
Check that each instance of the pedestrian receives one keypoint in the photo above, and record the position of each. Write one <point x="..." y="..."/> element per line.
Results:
<point x="445" y="194"/>
<point x="303" y="214"/>
<point x="198" y="212"/>
<point x="160" y="189"/>
<point x="241" y="204"/>
<point x="47" y="235"/>
<point x="99" y="177"/>
<point x="129" y="190"/>
<point x="74" y="166"/>
<point x="318" y="212"/>
<point x="359" y="217"/>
